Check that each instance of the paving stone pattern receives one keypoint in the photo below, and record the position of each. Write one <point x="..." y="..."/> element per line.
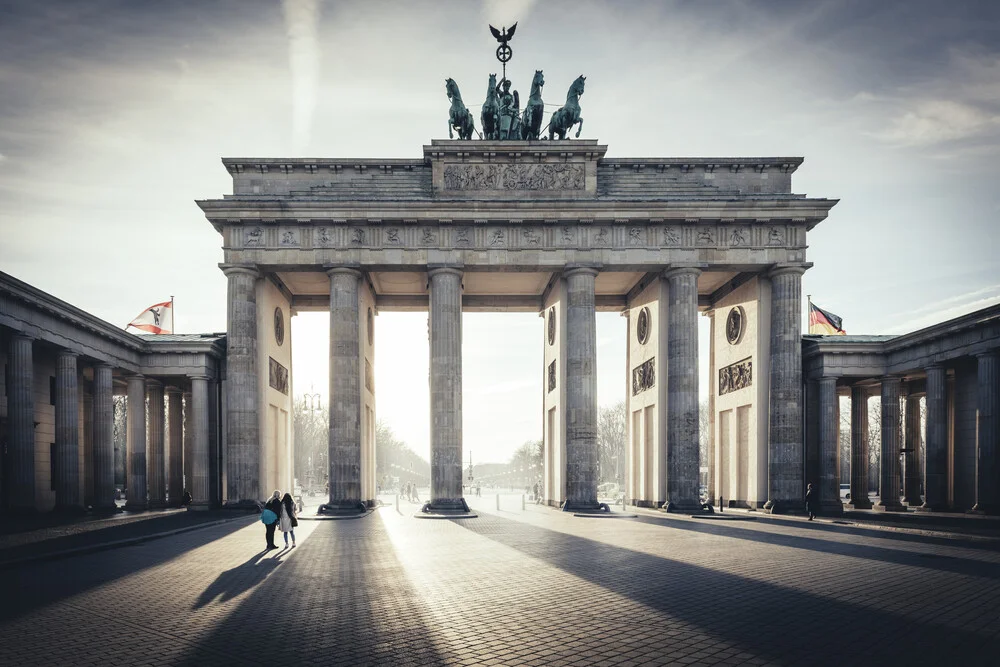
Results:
<point x="533" y="587"/>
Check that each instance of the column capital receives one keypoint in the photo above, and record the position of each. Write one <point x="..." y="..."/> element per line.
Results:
<point x="102" y="364"/>
<point x="683" y="269"/>
<point x="889" y="379"/>
<point x="135" y="376"/>
<point x="988" y="354"/>
<point x="172" y="389"/>
<point x="63" y="352"/>
<point x="783" y="268"/>
<point x="23" y="335"/>
<point x="434" y="270"/>
<point x="574" y="269"/>
<point x="235" y="269"/>
<point x="349" y="269"/>
<point x="153" y="383"/>
<point x="829" y="378"/>
<point x="199" y="377"/>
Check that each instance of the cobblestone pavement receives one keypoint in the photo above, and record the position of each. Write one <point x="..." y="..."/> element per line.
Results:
<point x="532" y="587"/>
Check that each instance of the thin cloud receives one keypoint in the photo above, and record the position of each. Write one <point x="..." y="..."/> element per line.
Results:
<point x="301" y="25"/>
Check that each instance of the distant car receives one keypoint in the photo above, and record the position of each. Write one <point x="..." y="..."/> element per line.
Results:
<point x="845" y="490"/>
<point x="608" y="490"/>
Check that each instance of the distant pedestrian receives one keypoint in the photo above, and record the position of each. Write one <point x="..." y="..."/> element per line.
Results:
<point x="274" y="504"/>
<point x="286" y="519"/>
<point x="534" y="491"/>
<point x="812" y="502"/>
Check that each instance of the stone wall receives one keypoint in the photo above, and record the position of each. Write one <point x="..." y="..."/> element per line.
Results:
<point x="366" y="334"/>
<point x="274" y="364"/>
<point x="554" y="390"/>
<point x="966" y="383"/>
<point x="645" y="387"/>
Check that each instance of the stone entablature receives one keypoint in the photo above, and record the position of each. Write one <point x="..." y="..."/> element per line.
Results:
<point x="876" y="356"/>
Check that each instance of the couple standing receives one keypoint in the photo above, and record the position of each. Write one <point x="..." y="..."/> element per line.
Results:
<point x="283" y="509"/>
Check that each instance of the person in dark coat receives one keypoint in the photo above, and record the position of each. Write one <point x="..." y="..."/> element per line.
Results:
<point x="274" y="504"/>
<point x="812" y="502"/>
<point x="286" y="518"/>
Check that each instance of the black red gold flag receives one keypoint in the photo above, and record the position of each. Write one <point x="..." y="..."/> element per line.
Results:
<point x="824" y="322"/>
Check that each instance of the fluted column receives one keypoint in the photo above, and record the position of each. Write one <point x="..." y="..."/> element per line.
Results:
<point x="242" y="407"/>
<point x="175" y="452"/>
<point x="859" y="449"/>
<point x="136" y="496"/>
<point x="829" y="417"/>
<point x="683" y="462"/>
<point x="104" y="443"/>
<point x="344" y="444"/>
<point x="911" y="460"/>
<point x="67" y="413"/>
<point x="188" y="438"/>
<point x="156" y="464"/>
<point x="21" y="424"/>
<point x="785" y="442"/>
<point x="988" y="433"/>
<point x="581" y="390"/>
<point x="199" y="441"/>
<point x="889" y="487"/>
<point x="446" y="388"/>
<point x="936" y="448"/>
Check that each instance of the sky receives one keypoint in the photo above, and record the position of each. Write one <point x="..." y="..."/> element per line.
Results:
<point x="114" y="115"/>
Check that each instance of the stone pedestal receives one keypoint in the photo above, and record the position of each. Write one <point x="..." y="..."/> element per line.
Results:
<point x="581" y="390"/>
<point x="21" y="424"/>
<point x="829" y="418"/>
<point x="156" y="464"/>
<point x="199" y="442"/>
<point x="859" y="450"/>
<point x="683" y="462"/>
<point x="242" y="404"/>
<point x="889" y="487"/>
<point x="936" y="448"/>
<point x="104" y="445"/>
<point x="175" y="455"/>
<point x="135" y="481"/>
<point x="786" y="491"/>
<point x="988" y="433"/>
<point x="67" y="413"/>
<point x="446" y="390"/>
<point x="911" y="460"/>
<point x="344" y="445"/>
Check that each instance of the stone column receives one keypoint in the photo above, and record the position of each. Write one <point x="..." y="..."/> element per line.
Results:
<point x="104" y="443"/>
<point x="785" y="441"/>
<point x="683" y="462"/>
<point x="936" y="448"/>
<point x="344" y="443"/>
<point x="829" y="416"/>
<point x="242" y="406"/>
<point x="859" y="449"/>
<point x="136" y="498"/>
<point x="199" y="442"/>
<point x="889" y="487"/>
<point x="988" y="432"/>
<point x="67" y="413"/>
<point x="21" y="424"/>
<point x="188" y="438"/>
<point x="713" y="372"/>
<point x="911" y="486"/>
<point x="175" y="455"/>
<point x="581" y="390"/>
<point x="446" y="389"/>
<point x="156" y="463"/>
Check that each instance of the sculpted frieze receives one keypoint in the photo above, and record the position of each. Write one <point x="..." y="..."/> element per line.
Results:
<point x="514" y="177"/>
<point x="736" y="376"/>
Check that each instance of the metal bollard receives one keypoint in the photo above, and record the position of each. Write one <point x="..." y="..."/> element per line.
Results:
<point x="397" y="503"/>
<point x="498" y="502"/>
<point x="522" y="502"/>
<point x="721" y="510"/>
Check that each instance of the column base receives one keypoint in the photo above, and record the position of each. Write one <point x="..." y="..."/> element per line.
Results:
<point x="578" y="506"/>
<point x="931" y="508"/>
<point x="158" y="504"/>
<point x="882" y="506"/>
<point x="342" y="508"/>
<point x="861" y="505"/>
<point x="134" y="506"/>
<point x="200" y="507"/>
<point x="681" y="507"/>
<point x="831" y="507"/>
<point x="445" y="505"/>
<point x="784" y="507"/>
<point x="984" y="510"/>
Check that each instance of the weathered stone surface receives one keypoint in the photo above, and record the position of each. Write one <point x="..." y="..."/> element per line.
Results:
<point x="67" y="462"/>
<point x="683" y="462"/>
<point x="155" y="445"/>
<point x="859" y="449"/>
<point x="136" y="495"/>
<point x="21" y="415"/>
<point x="936" y="449"/>
<point x="446" y="388"/>
<point x="104" y="446"/>
<point x="911" y="460"/>
<point x="242" y="418"/>
<point x="188" y="441"/>
<point x="988" y="434"/>
<point x="581" y="389"/>
<point x="829" y="418"/>
<point x="785" y="485"/>
<point x="199" y="441"/>
<point x="175" y="450"/>
<point x="889" y="488"/>
<point x="344" y="447"/>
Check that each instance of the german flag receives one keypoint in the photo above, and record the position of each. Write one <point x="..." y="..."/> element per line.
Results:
<point x="824" y="323"/>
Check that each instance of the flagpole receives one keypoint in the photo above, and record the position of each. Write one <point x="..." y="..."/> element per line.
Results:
<point x="809" y="311"/>
<point x="173" y="316"/>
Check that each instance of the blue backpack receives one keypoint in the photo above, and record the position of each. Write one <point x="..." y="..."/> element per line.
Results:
<point x="267" y="517"/>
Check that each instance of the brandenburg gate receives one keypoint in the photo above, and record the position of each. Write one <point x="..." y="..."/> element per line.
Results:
<point x="554" y="227"/>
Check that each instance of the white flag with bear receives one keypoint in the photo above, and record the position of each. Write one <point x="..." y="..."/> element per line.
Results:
<point x="157" y="319"/>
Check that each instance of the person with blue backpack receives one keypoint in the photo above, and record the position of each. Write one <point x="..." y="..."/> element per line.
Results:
<point x="269" y="517"/>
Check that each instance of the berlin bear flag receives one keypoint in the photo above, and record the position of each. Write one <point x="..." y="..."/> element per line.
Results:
<point x="158" y="318"/>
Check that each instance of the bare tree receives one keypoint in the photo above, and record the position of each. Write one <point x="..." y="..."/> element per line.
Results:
<point x="611" y="435"/>
<point x="311" y="433"/>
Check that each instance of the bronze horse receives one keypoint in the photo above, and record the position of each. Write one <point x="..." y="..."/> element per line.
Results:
<point x="459" y="117"/>
<point x="568" y="115"/>
<point x="531" y="119"/>
<point x="490" y="115"/>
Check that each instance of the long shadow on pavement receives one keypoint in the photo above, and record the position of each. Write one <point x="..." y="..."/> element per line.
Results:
<point x="341" y="597"/>
<point x="36" y="585"/>
<point x="774" y="622"/>
<point x="238" y="580"/>
<point x="948" y="563"/>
